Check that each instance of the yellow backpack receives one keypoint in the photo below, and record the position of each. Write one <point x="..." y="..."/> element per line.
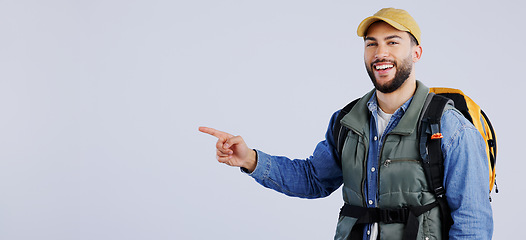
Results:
<point x="480" y="120"/>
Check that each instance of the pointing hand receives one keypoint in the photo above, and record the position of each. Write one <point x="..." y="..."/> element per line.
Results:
<point x="232" y="150"/>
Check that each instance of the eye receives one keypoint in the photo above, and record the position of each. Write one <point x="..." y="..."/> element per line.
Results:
<point x="393" y="43"/>
<point x="371" y="44"/>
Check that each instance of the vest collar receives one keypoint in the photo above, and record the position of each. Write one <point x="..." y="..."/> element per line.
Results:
<point x="358" y="118"/>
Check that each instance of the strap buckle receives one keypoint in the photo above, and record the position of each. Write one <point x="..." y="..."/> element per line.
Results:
<point x="440" y="192"/>
<point x="394" y="215"/>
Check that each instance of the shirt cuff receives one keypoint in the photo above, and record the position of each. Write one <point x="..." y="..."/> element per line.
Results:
<point x="262" y="166"/>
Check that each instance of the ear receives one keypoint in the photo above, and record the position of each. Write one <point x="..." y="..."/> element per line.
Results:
<point x="416" y="53"/>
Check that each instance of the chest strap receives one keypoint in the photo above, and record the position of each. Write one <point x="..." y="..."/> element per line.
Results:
<point x="405" y="215"/>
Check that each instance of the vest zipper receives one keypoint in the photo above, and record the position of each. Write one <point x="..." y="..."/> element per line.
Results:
<point x="378" y="178"/>
<point x="379" y="159"/>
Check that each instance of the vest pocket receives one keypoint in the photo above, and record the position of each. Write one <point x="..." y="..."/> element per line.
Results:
<point x="389" y="161"/>
<point x="402" y="180"/>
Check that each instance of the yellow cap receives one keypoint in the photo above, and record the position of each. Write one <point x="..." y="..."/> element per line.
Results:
<point x="397" y="18"/>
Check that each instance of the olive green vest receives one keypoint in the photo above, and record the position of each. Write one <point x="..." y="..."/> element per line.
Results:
<point x="402" y="181"/>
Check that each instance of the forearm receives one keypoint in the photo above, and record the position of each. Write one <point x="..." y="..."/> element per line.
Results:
<point x="315" y="177"/>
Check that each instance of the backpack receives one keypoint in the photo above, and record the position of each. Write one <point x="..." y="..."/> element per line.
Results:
<point x="480" y="120"/>
<point x="430" y="152"/>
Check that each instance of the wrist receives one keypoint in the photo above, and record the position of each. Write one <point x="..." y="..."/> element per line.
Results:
<point x="252" y="162"/>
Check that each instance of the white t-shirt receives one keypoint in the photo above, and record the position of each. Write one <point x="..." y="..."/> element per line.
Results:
<point x="383" y="119"/>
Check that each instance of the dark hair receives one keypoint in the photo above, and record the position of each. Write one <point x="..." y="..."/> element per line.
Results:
<point x="414" y="42"/>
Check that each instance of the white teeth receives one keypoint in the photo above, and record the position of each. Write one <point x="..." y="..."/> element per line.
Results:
<point x="381" y="67"/>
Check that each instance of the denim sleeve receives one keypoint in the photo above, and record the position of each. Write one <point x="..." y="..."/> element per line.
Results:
<point x="315" y="177"/>
<point x="466" y="178"/>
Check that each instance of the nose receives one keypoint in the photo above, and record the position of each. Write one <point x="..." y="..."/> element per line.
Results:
<point x="381" y="52"/>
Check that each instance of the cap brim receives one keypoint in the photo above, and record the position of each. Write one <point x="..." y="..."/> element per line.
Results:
<point x="364" y="25"/>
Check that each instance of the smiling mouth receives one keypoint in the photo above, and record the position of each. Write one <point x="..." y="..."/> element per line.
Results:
<point x="383" y="66"/>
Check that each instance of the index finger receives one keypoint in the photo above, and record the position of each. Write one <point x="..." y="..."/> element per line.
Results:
<point x="214" y="132"/>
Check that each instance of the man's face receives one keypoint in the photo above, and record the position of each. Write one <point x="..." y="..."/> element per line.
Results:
<point x="389" y="56"/>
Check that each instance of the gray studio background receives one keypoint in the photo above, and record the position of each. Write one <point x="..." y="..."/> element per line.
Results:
<point x="100" y="102"/>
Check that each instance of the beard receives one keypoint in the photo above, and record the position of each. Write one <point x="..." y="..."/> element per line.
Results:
<point x="403" y="71"/>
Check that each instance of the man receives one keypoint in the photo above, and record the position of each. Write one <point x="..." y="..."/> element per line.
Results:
<point x="380" y="162"/>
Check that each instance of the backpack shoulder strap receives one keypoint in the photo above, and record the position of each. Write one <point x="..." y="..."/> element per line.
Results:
<point x="430" y="140"/>
<point x="431" y="153"/>
<point x="339" y="132"/>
